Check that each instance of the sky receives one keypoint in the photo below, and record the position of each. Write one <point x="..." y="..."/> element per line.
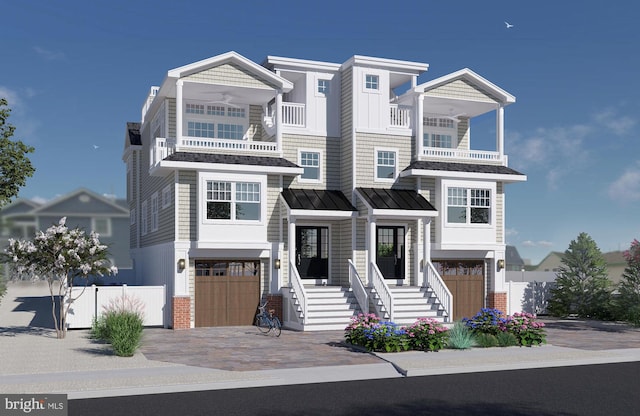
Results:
<point x="75" y="72"/>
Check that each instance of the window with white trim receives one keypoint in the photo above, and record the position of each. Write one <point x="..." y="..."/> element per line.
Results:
<point x="154" y="212"/>
<point x="215" y="120"/>
<point x="468" y="205"/>
<point x="230" y="131"/>
<point x="236" y="112"/>
<point x="323" y="87"/>
<point x="386" y="165"/>
<point x="215" y="110"/>
<point x="310" y="162"/>
<point x="194" y="108"/>
<point x="371" y="82"/>
<point x="102" y="226"/>
<point x="166" y="196"/>
<point x="143" y="218"/>
<point x="439" y="132"/>
<point x="235" y="201"/>
<point x="199" y="129"/>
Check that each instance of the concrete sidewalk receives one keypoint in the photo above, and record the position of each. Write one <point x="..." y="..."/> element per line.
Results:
<point x="226" y="358"/>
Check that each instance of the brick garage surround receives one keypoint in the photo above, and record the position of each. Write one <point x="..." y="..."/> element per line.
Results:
<point x="181" y="312"/>
<point x="274" y="301"/>
<point x="497" y="300"/>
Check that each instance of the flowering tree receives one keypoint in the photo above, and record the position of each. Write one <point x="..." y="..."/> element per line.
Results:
<point x="60" y="255"/>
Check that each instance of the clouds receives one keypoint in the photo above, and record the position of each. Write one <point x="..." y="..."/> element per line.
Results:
<point x="541" y="243"/>
<point x="626" y="188"/>
<point x="48" y="55"/>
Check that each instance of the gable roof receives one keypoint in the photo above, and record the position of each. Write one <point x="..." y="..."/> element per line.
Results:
<point x="462" y="170"/>
<point x="79" y="202"/>
<point x="19" y="207"/>
<point x="472" y="78"/>
<point x="390" y="202"/>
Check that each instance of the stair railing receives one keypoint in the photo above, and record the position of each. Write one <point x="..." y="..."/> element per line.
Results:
<point x="440" y="289"/>
<point x="382" y="289"/>
<point x="295" y="284"/>
<point x="358" y="288"/>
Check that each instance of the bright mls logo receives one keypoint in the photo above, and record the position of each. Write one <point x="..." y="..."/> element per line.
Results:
<point x="33" y="404"/>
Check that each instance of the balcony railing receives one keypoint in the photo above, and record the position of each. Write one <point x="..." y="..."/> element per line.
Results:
<point x="462" y="154"/>
<point x="293" y="114"/>
<point x="400" y="116"/>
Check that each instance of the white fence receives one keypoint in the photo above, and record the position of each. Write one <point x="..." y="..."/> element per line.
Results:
<point x="531" y="297"/>
<point x="91" y="302"/>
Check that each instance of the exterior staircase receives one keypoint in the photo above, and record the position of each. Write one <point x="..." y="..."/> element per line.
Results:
<point x="409" y="304"/>
<point x="329" y="308"/>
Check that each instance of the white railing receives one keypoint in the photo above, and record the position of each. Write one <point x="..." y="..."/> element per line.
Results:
<point x="94" y="298"/>
<point x="400" y="116"/>
<point x="461" y="154"/>
<point x="440" y="289"/>
<point x="198" y="143"/>
<point x="358" y="288"/>
<point x="161" y="149"/>
<point x="293" y="114"/>
<point x="295" y="284"/>
<point x="382" y="289"/>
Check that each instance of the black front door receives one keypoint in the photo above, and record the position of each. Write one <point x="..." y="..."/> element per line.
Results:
<point x="312" y="252"/>
<point x="390" y="252"/>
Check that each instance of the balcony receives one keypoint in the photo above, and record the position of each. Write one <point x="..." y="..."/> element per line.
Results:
<point x="400" y="116"/>
<point x="463" y="155"/>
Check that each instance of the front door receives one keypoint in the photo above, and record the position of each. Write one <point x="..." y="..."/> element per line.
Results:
<point x="312" y="252"/>
<point x="390" y="256"/>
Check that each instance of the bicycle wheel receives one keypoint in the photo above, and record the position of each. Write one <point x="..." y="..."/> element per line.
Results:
<point x="262" y="324"/>
<point x="276" y="326"/>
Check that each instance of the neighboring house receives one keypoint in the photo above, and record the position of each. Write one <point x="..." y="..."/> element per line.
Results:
<point x="616" y="264"/>
<point x="109" y="217"/>
<point x="322" y="188"/>
<point x="513" y="260"/>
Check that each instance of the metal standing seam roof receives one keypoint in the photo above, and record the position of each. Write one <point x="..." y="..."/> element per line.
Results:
<point x="317" y="199"/>
<point x="230" y="159"/>
<point x="395" y="199"/>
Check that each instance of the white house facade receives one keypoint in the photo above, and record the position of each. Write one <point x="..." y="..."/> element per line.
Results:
<point x="325" y="189"/>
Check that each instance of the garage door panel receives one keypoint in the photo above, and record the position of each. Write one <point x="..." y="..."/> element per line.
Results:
<point x="465" y="280"/>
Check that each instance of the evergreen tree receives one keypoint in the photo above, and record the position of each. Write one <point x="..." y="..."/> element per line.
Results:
<point x="629" y="287"/>
<point x="582" y="285"/>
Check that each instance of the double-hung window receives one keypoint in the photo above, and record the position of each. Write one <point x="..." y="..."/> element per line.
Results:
<point x="386" y="163"/>
<point x="468" y="205"/>
<point x="439" y="132"/>
<point x="310" y="162"/>
<point x="154" y="212"/>
<point x="233" y="201"/>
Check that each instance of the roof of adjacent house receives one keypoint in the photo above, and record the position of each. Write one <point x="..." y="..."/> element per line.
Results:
<point x="395" y="199"/>
<point x="317" y="199"/>
<point x="230" y="159"/>
<point x="461" y="167"/>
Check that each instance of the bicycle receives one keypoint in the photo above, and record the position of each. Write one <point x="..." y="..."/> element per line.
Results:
<point x="266" y="321"/>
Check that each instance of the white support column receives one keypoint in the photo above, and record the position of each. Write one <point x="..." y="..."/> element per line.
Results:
<point x="500" y="131"/>
<point x="278" y="120"/>
<point x="292" y="243"/>
<point x="372" y="247"/>
<point x="426" y="247"/>
<point x="179" y="85"/>
<point x="420" y="126"/>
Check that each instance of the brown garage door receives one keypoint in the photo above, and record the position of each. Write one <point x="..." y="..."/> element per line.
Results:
<point x="227" y="293"/>
<point x="465" y="280"/>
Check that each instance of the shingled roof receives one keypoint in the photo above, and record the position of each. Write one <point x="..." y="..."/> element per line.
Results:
<point x="462" y="167"/>
<point x="230" y="159"/>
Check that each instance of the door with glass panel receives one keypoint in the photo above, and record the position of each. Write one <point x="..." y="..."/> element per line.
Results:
<point x="390" y="251"/>
<point x="312" y="252"/>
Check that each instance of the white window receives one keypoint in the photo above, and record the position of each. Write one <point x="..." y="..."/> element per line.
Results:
<point x="371" y="82"/>
<point x="194" y="108"/>
<point x="236" y="112"/>
<point x="215" y="120"/>
<point x="215" y="110"/>
<point x="439" y="132"/>
<point x="386" y="164"/>
<point x="143" y="218"/>
<point x="199" y="129"/>
<point x="468" y="206"/>
<point x="237" y="201"/>
<point x="101" y="226"/>
<point x="323" y="87"/>
<point x="166" y="196"/>
<point x="230" y="131"/>
<point x="310" y="161"/>
<point x="132" y="216"/>
<point x="154" y="212"/>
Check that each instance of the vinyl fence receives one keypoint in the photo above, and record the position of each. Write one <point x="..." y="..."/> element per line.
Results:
<point x="531" y="297"/>
<point x="94" y="298"/>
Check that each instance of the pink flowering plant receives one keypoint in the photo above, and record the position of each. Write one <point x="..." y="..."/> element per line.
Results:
<point x="368" y="331"/>
<point x="427" y="334"/>
<point x="526" y="328"/>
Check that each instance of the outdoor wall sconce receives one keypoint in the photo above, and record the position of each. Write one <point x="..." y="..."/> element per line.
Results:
<point x="500" y="264"/>
<point x="182" y="264"/>
<point x="276" y="264"/>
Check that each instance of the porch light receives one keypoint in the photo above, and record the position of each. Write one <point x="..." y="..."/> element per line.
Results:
<point x="182" y="264"/>
<point x="500" y="264"/>
<point x="276" y="264"/>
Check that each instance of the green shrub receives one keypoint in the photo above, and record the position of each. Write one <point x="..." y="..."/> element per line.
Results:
<point x="374" y="335"/>
<point x="99" y="329"/>
<point x="427" y="334"/>
<point x="485" y="340"/>
<point x="460" y="337"/>
<point x="526" y="329"/>
<point x="124" y="332"/>
<point x="506" y="339"/>
<point x="486" y="321"/>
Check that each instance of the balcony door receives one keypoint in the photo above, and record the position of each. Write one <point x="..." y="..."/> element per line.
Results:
<point x="390" y="251"/>
<point x="312" y="252"/>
